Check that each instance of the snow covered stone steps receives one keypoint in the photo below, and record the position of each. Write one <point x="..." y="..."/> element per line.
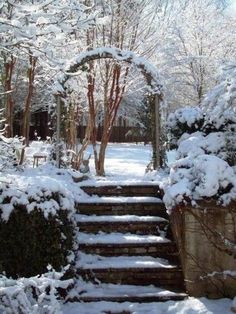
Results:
<point x="169" y="278"/>
<point x="125" y="239"/>
<point x="88" y="261"/>
<point x="124" y="223"/>
<point x="165" y="250"/>
<point x="130" y="270"/>
<point x="122" y="238"/>
<point x="88" y="292"/>
<point x="122" y="206"/>
<point x="118" y="218"/>
<point x="124" y="190"/>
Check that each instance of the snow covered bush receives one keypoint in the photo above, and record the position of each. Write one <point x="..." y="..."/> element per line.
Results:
<point x="184" y="120"/>
<point x="198" y="143"/>
<point x="201" y="176"/>
<point x="35" y="295"/>
<point x="193" y="119"/>
<point x="9" y="148"/>
<point x="192" y="129"/>
<point x="36" y="227"/>
<point x="202" y="169"/>
<point x="206" y="146"/>
<point x="220" y="102"/>
<point x="220" y="107"/>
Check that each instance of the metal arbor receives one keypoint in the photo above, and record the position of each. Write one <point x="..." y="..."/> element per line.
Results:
<point x="149" y="72"/>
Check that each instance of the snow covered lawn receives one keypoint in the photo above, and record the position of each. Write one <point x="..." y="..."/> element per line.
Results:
<point x="125" y="161"/>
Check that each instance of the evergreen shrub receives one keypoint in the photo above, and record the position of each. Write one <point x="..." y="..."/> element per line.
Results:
<point x="31" y="240"/>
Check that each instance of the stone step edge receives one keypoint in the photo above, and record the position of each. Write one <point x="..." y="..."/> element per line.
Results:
<point x="118" y="237"/>
<point x="153" y="269"/>
<point x="120" y="201"/>
<point x="120" y="186"/>
<point x="128" y="244"/>
<point x="122" y="223"/>
<point x="131" y="298"/>
<point x="82" y="218"/>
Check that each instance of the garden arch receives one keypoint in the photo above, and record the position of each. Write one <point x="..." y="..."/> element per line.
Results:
<point x="149" y="72"/>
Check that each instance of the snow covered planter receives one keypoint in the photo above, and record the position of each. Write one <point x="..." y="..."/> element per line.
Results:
<point x="200" y="196"/>
<point x="206" y="236"/>
<point x="36" y="228"/>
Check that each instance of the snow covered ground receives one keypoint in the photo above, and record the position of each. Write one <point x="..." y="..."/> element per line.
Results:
<point x="123" y="162"/>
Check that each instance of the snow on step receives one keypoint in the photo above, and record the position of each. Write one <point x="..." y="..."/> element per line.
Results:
<point x="89" y="261"/>
<point x="121" y="199"/>
<point x="119" y="184"/>
<point x="118" y="218"/>
<point x="88" y="289"/>
<point x="110" y="238"/>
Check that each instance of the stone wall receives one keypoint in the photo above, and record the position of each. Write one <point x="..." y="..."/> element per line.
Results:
<point x="206" y="237"/>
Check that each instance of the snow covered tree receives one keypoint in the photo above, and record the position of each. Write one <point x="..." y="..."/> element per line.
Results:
<point x="32" y="33"/>
<point x="220" y="102"/>
<point x="199" y="37"/>
<point x="119" y="27"/>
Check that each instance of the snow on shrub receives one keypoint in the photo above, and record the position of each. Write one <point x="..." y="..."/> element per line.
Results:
<point x="36" y="224"/>
<point x="220" y="102"/>
<point x="9" y="148"/>
<point x="40" y="192"/>
<point x="187" y="121"/>
<point x="184" y="120"/>
<point x="35" y="295"/>
<point x="195" y="178"/>
<point x="201" y="170"/>
<point x="188" y="115"/>
<point x="198" y="143"/>
<point x="206" y="150"/>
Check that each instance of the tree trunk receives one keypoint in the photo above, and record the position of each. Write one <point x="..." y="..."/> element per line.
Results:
<point x="9" y="67"/>
<point x="100" y="167"/>
<point x="71" y="130"/>
<point x="111" y="106"/>
<point x="27" y="109"/>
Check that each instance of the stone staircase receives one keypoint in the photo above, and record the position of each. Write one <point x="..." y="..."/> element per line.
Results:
<point x="126" y="251"/>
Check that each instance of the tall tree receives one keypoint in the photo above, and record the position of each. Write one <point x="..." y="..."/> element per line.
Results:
<point x="121" y="28"/>
<point x="200" y="38"/>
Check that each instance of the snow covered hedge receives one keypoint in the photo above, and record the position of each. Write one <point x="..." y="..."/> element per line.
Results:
<point x="202" y="169"/>
<point x="189" y="120"/>
<point x="184" y="120"/>
<point x="220" y="103"/>
<point x="9" y="149"/>
<point x="201" y="176"/>
<point x="36" y="227"/>
<point x="206" y="147"/>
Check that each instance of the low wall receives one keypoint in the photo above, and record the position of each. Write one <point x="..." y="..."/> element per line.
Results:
<point x="206" y="237"/>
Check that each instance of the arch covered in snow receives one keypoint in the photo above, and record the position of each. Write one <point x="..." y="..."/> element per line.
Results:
<point x="149" y="72"/>
<point x="147" y="69"/>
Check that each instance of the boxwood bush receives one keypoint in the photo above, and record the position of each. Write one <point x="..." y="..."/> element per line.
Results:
<point x="31" y="240"/>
